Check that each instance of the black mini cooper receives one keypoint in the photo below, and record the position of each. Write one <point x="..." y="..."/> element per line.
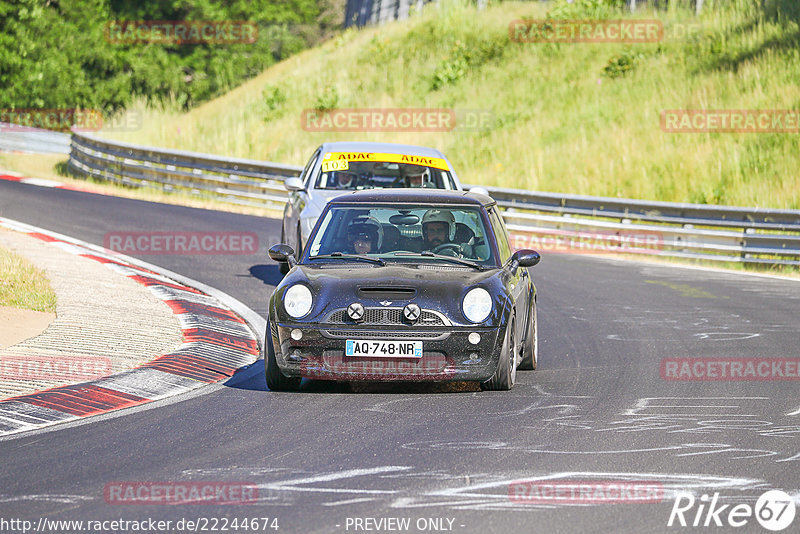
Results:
<point x="404" y="285"/>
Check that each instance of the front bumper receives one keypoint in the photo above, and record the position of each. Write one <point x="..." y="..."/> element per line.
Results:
<point x="448" y="354"/>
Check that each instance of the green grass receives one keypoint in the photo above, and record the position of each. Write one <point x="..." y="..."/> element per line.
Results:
<point x="573" y="118"/>
<point x="24" y="286"/>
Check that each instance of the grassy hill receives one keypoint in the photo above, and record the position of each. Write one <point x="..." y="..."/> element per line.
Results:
<point x="579" y="118"/>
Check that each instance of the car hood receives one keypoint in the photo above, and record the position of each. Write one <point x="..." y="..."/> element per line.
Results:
<point x="441" y="289"/>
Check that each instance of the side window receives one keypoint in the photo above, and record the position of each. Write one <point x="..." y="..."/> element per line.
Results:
<point x="446" y="181"/>
<point x="307" y="171"/>
<point x="501" y="234"/>
<point x="449" y="180"/>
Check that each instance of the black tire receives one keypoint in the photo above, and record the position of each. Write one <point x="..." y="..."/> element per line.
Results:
<point x="506" y="373"/>
<point x="530" y="349"/>
<point x="276" y="380"/>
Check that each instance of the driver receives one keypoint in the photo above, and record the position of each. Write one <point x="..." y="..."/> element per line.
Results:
<point x="364" y="235"/>
<point x="345" y="180"/>
<point x="414" y="175"/>
<point x="438" y="228"/>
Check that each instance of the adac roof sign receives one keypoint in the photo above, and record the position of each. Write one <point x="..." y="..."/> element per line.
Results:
<point x="437" y="163"/>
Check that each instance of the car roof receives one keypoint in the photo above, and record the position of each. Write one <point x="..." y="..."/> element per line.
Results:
<point x="389" y="148"/>
<point x="414" y="196"/>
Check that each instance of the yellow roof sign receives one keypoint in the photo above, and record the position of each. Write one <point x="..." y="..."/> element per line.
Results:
<point x="437" y="163"/>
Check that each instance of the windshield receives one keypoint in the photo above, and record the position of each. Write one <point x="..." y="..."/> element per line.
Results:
<point x="409" y="233"/>
<point x="370" y="170"/>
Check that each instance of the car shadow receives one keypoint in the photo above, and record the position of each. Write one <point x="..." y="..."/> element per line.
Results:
<point x="254" y="380"/>
<point x="269" y="274"/>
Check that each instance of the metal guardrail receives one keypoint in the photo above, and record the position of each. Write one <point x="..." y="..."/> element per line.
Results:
<point x="543" y="221"/>
<point x="241" y="181"/>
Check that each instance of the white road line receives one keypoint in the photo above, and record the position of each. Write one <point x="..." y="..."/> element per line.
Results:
<point x="348" y="501"/>
<point x="41" y="182"/>
<point x="292" y="485"/>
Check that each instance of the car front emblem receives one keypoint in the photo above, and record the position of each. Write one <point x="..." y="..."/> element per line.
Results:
<point x="355" y="311"/>
<point x="411" y="312"/>
<point x="386" y="302"/>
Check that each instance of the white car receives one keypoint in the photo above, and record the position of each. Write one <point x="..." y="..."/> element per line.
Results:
<point x="338" y="168"/>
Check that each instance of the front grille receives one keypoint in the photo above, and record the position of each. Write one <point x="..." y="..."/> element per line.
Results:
<point x="432" y="365"/>
<point x="385" y="317"/>
<point x="381" y="334"/>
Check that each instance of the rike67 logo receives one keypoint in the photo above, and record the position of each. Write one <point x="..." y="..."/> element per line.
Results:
<point x="774" y="510"/>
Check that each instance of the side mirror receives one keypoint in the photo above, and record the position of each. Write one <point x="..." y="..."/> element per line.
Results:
<point x="479" y="189"/>
<point x="293" y="184"/>
<point x="526" y="258"/>
<point x="282" y="253"/>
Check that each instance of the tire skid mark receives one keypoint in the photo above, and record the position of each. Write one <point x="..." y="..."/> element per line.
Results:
<point x="478" y="491"/>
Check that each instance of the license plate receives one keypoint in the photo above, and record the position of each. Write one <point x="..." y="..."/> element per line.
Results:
<point x="383" y="349"/>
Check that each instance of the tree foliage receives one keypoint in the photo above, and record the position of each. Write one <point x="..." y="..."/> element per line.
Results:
<point x="55" y="54"/>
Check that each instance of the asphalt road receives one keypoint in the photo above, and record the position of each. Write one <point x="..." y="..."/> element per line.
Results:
<point x="447" y="458"/>
<point x="32" y="140"/>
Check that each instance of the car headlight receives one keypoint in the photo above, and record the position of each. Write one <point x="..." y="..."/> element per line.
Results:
<point x="297" y="301"/>
<point x="477" y="305"/>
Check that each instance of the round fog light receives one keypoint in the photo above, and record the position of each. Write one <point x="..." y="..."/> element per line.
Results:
<point x="473" y="355"/>
<point x="474" y="338"/>
<point x="297" y="334"/>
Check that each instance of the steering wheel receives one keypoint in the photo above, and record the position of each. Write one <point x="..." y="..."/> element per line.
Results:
<point x="448" y="249"/>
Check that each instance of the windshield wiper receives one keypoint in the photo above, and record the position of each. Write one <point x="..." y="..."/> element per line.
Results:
<point x="451" y="259"/>
<point x="340" y="256"/>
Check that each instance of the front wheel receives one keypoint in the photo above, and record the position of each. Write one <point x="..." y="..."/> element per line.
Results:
<point x="506" y="373"/>
<point x="276" y="380"/>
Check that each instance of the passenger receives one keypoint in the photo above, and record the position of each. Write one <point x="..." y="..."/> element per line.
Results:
<point x="364" y="235"/>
